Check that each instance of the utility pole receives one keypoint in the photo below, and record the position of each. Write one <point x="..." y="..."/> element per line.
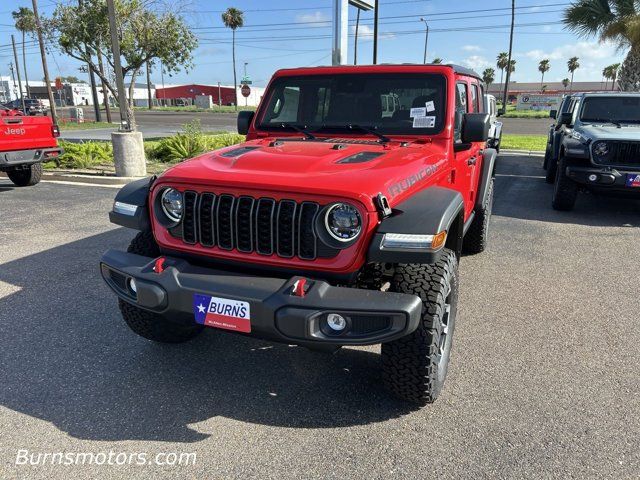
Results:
<point x="43" y="54"/>
<point x="125" y="121"/>
<point x="105" y="90"/>
<point x="13" y="80"/>
<point x="426" y="39"/>
<point x="149" y="99"/>
<point x="15" y="56"/>
<point x="506" y="83"/>
<point x="375" y="32"/>
<point x="355" y="42"/>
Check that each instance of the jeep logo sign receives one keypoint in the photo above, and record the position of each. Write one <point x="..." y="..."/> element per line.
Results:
<point x="15" y="131"/>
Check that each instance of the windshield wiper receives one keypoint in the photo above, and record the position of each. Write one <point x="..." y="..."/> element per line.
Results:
<point x="299" y="128"/>
<point x="351" y="126"/>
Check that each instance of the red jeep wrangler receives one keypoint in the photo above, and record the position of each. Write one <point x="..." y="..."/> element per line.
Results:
<point x="340" y="221"/>
<point x="26" y="142"/>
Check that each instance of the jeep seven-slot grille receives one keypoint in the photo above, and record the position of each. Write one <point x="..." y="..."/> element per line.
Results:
<point x="623" y="153"/>
<point x="247" y="224"/>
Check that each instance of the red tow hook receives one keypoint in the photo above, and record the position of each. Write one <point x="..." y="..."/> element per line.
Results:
<point x="159" y="266"/>
<point x="298" y="287"/>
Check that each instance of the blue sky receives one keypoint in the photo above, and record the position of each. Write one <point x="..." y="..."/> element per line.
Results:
<point x="281" y="33"/>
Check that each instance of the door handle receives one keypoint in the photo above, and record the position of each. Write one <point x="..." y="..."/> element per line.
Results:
<point x="472" y="161"/>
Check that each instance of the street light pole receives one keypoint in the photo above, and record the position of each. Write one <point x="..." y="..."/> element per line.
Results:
<point x="426" y="38"/>
<point x="375" y="32"/>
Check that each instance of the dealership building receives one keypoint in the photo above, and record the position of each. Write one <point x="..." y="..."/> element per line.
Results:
<point x="220" y="94"/>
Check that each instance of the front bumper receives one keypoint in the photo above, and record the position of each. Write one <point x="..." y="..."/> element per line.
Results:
<point x="277" y="313"/>
<point x="605" y="178"/>
<point x="10" y="160"/>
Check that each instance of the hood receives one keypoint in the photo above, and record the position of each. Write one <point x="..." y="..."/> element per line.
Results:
<point x="610" y="132"/>
<point x="334" y="167"/>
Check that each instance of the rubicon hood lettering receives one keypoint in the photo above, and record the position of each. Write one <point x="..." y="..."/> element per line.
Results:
<point x="396" y="189"/>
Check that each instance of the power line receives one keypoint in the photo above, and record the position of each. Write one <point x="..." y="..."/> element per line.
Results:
<point x="322" y="7"/>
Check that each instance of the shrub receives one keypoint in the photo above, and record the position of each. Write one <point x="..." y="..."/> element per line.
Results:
<point x="84" y="155"/>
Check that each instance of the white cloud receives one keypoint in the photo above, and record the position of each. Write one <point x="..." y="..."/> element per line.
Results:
<point x="365" y="33"/>
<point x="471" y="48"/>
<point x="585" y="50"/>
<point x="476" y="62"/>
<point x="311" y="18"/>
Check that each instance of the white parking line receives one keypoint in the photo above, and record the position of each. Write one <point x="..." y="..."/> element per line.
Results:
<point x="83" y="184"/>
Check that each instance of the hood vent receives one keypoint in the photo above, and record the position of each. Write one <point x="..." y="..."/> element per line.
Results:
<point x="236" y="152"/>
<point x="352" y="141"/>
<point x="360" y="157"/>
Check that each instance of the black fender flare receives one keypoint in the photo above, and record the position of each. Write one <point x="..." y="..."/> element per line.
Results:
<point x="574" y="148"/>
<point x="486" y="175"/>
<point x="134" y="193"/>
<point x="426" y="213"/>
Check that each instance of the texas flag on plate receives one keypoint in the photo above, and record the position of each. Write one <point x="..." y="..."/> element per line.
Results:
<point x="222" y="313"/>
<point x="633" y="180"/>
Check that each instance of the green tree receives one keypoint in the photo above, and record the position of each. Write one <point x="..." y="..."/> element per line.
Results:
<point x="501" y="62"/>
<point x="613" y="20"/>
<point x="572" y="65"/>
<point x="437" y="61"/>
<point x="233" y="19"/>
<point x="71" y="79"/>
<point x="488" y="76"/>
<point x="543" y="67"/>
<point x="513" y="66"/>
<point x="25" y="23"/>
<point x="145" y="34"/>
<point x="565" y="83"/>
<point x="611" y="73"/>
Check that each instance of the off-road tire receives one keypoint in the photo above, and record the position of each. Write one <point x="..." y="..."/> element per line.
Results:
<point x="476" y="239"/>
<point x="27" y="177"/>
<point x="547" y="157"/>
<point x="148" y="324"/>
<point x="552" y="170"/>
<point x="414" y="367"/>
<point x="565" y="190"/>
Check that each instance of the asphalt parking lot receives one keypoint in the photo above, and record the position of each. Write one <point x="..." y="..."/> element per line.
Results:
<point x="543" y="381"/>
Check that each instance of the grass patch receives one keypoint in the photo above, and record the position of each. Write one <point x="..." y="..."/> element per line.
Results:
<point x="67" y="125"/>
<point x="536" y="143"/>
<point x="513" y="113"/>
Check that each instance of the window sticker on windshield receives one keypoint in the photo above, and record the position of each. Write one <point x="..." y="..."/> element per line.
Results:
<point x="424" y="122"/>
<point x="418" y="112"/>
<point x="430" y="106"/>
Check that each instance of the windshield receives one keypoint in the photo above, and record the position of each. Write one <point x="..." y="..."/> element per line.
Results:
<point x="611" y="109"/>
<point x="386" y="103"/>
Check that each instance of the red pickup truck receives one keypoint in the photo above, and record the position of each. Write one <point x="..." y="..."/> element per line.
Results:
<point x="26" y="142"/>
<point x="340" y="221"/>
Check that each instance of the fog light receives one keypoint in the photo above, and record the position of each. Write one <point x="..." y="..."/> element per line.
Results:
<point x="336" y="322"/>
<point x="593" y="177"/>
<point x="132" y="285"/>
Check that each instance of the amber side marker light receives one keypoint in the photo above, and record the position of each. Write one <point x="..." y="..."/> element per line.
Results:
<point x="406" y="241"/>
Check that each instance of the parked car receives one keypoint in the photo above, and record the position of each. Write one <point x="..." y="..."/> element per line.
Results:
<point x="332" y="225"/>
<point x="495" y="130"/>
<point x="599" y="148"/>
<point x="26" y="142"/>
<point x="32" y="106"/>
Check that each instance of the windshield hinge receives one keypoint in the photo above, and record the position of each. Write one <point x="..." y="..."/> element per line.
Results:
<point x="382" y="205"/>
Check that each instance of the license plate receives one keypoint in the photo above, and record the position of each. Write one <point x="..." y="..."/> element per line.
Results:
<point x="633" y="180"/>
<point x="222" y="313"/>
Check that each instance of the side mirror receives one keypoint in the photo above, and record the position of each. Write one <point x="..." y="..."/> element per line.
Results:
<point x="565" y="118"/>
<point x="245" y="117"/>
<point x="553" y="113"/>
<point x="475" y="127"/>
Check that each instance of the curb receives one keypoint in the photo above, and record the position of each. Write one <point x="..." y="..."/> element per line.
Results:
<point x="531" y="153"/>
<point x="79" y="178"/>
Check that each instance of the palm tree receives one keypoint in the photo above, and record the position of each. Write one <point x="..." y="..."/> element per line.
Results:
<point x="605" y="76"/>
<point x="233" y="19"/>
<point x="543" y="67"/>
<point x="488" y="76"/>
<point x="437" y="60"/>
<point x="501" y="62"/>
<point x="612" y="74"/>
<point x="513" y="66"/>
<point x="572" y="66"/>
<point x="25" y="22"/>
<point x="613" y="20"/>
<point x="565" y="83"/>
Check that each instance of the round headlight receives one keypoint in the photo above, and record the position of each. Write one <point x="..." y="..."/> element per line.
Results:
<point x="172" y="206"/>
<point x="601" y="149"/>
<point x="343" y="222"/>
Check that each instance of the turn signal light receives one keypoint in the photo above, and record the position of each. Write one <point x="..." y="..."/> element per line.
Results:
<point x="438" y="240"/>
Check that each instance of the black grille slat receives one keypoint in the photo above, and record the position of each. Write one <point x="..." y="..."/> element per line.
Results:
<point x="244" y="224"/>
<point x="269" y="227"/>
<point x="306" y="233"/>
<point x="189" y="233"/>
<point x="624" y="153"/>
<point x="285" y="228"/>
<point x="264" y="226"/>
<point x="224" y="222"/>
<point x="206" y="220"/>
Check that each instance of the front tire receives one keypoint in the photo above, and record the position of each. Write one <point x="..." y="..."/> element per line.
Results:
<point x="27" y="177"/>
<point x="148" y="324"/>
<point x="414" y="367"/>
<point x="565" y="190"/>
